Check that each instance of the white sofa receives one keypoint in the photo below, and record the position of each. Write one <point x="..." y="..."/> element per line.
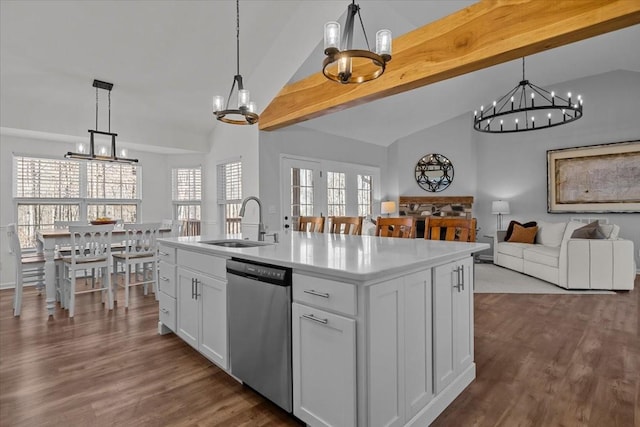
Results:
<point x="571" y="263"/>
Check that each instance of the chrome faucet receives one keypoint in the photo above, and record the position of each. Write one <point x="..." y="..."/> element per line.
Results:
<point x="261" y="229"/>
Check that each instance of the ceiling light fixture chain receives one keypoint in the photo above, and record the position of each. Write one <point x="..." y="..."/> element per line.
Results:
<point x="245" y="114"/>
<point x="516" y="114"/>
<point x="353" y="65"/>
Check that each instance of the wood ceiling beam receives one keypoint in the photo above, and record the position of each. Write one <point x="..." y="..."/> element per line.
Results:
<point x="487" y="33"/>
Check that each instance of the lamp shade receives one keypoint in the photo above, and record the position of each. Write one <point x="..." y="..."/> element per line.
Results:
<point x="500" y="207"/>
<point x="388" y="207"/>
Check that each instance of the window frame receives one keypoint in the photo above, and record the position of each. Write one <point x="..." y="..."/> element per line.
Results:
<point x="83" y="202"/>
<point x="194" y="204"/>
<point x="229" y="225"/>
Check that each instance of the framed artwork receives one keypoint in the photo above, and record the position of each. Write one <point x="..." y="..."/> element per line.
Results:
<point x="596" y="178"/>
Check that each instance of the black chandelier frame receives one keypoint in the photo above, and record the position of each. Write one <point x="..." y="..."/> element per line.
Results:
<point x="521" y="103"/>
<point x="335" y="55"/>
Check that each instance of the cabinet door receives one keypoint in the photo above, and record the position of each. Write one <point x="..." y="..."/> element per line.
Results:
<point x="463" y="317"/>
<point x="418" y="342"/>
<point x="212" y="297"/>
<point x="187" y="308"/>
<point x="324" y="367"/>
<point x="453" y="321"/>
<point x="386" y="354"/>
<point x="444" y="277"/>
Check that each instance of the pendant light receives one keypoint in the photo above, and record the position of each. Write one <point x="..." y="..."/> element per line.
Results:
<point x="245" y="113"/>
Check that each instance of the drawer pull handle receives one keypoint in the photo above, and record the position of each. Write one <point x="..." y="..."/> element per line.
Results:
<point x="316" y="293"/>
<point x="315" y="319"/>
<point x="165" y="279"/>
<point x="164" y="310"/>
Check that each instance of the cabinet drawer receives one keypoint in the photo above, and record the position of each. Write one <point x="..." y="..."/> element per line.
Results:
<point x="167" y="279"/>
<point x="167" y="254"/>
<point x="208" y="264"/>
<point x="167" y="312"/>
<point x="336" y="296"/>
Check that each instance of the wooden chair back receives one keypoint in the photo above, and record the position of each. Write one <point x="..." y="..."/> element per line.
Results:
<point x="403" y="227"/>
<point x="141" y="239"/>
<point x="346" y="225"/>
<point x="312" y="224"/>
<point x="90" y="243"/>
<point x="448" y="228"/>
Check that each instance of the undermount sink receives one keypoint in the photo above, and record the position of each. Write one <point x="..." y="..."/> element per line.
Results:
<point x="235" y="243"/>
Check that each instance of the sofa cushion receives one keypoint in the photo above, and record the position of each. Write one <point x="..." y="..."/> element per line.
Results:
<point x="523" y="234"/>
<point x="550" y="233"/>
<point x="589" y="231"/>
<point x="512" y="249"/>
<point x="513" y="223"/>
<point x="546" y="255"/>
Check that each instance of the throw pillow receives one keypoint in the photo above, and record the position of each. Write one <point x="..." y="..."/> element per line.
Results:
<point x="589" y="231"/>
<point x="523" y="234"/>
<point x="550" y="233"/>
<point x="512" y="223"/>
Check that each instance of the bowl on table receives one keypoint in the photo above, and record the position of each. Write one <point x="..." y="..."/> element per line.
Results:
<point x="103" y="221"/>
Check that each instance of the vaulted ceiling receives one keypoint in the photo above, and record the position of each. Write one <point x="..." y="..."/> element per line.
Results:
<point x="167" y="59"/>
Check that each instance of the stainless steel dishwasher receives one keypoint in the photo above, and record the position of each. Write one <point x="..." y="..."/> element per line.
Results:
<point x="259" y="313"/>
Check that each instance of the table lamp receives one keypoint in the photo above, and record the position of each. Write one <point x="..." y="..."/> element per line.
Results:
<point x="388" y="207"/>
<point x="500" y="207"/>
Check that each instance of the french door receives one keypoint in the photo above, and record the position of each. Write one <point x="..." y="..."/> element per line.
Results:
<point x="303" y="190"/>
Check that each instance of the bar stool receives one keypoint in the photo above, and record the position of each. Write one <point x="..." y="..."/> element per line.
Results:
<point x="346" y="225"/>
<point x="141" y="249"/>
<point x="90" y="249"/>
<point x="312" y="224"/>
<point x="403" y="227"/>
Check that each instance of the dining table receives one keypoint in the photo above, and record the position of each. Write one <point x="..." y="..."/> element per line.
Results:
<point x="47" y="240"/>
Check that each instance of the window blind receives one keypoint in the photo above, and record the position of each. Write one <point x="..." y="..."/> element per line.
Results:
<point x="186" y="184"/>
<point x="46" y="178"/>
<point x="112" y="181"/>
<point x="230" y="182"/>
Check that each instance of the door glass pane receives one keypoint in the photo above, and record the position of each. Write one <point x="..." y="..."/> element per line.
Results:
<point x="365" y="195"/>
<point x="336" y="194"/>
<point x="301" y="192"/>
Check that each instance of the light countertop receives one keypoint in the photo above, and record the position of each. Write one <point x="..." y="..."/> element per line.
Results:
<point x="351" y="258"/>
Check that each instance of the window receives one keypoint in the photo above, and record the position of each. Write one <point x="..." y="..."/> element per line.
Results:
<point x="230" y="195"/>
<point x="48" y="190"/>
<point x="301" y="192"/>
<point x="186" y="190"/>
<point x="365" y="195"/>
<point x="336" y="194"/>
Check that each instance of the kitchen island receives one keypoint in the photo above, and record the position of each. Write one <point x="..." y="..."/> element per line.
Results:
<point x="382" y="328"/>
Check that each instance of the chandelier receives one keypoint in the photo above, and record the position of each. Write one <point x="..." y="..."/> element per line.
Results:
<point x="103" y="153"/>
<point x="527" y="107"/>
<point x="245" y="114"/>
<point x="353" y="65"/>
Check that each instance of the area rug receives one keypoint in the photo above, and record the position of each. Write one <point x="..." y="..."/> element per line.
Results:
<point x="491" y="279"/>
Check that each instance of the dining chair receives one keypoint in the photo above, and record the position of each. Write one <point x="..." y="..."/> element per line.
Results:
<point x="90" y="249"/>
<point x="450" y="228"/>
<point x="346" y="225"/>
<point x="403" y="227"/>
<point x="312" y="224"/>
<point x="141" y="253"/>
<point x="29" y="268"/>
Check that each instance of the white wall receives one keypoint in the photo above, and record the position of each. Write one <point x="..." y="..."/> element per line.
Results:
<point x="299" y="141"/>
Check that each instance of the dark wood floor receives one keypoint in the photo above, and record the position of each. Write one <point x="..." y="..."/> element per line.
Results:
<point x="542" y="360"/>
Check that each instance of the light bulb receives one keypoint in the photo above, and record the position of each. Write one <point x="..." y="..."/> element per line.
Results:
<point x="252" y="107"/>
<point x="123" y="152"/>
<point x="243" y="98"/>
<point x="383" y="42"/>
<point x="218" y="103"/>
<point x="331" y="35"/>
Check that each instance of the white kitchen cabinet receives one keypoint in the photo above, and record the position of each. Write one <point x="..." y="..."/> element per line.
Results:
<point x="324" y="367"/>
<point x="400" y="345"/>
<point x="202" y="313"/>
<point x="453" y="321"/>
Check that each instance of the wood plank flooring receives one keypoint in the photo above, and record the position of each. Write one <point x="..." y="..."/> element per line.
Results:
<point x="542" y="360"/>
